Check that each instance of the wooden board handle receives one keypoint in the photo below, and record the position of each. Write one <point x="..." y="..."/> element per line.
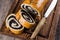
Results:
<point x="40" y="24"/>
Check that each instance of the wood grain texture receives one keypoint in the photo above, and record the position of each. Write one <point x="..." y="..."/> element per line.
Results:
<point x="51" y="23"/>
<point x="4" y="37"/>
<point x="52" y="34"/>
<point x="5" y="7"/>
<point x="57" y="35"/>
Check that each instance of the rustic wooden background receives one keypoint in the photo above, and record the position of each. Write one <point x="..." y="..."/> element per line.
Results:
<point x="6" y="7"/>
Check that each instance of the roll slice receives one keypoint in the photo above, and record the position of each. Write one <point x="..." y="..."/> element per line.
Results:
<point x="14" y="26"/>
<point x="32" y="11"/>
<point x="26" y="20"/>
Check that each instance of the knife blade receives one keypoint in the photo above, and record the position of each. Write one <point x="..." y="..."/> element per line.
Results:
<point x="51" y="7"/>
<point x="41" y="23"/>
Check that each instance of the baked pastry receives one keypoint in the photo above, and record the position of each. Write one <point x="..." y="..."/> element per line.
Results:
<point x="26" y="20"/>
<point x="30" y="10"/>
<point x="14" y="25"/>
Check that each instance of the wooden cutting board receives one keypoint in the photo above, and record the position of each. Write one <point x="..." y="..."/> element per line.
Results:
<point x="48" y="30"/>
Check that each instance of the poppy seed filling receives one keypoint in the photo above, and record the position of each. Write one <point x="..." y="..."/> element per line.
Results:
<point x="30" y="10"/>
<point x="26" y="16"/>
<point x="13" y="23"/>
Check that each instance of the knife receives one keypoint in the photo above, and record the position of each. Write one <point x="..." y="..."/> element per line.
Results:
<point x="41" y="23"/>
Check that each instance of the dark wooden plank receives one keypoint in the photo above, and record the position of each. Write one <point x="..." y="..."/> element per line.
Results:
<point x="55" y="22"/>
<point x="40" y="38"/>
<point x="57" y="34"/>
<point x="58" y="30"/>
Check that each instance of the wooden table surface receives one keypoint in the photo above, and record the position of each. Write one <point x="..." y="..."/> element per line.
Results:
<point x="5" y="6"/>
<point x="4" y="9"/>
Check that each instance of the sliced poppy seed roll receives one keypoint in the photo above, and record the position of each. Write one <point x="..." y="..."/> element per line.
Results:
<point x="30" y="10"/>
<point x="14" y="26"/>
<point x="26" y="20"/>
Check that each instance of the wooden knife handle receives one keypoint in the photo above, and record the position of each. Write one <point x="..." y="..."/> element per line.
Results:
<point x="40" y="24"/>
